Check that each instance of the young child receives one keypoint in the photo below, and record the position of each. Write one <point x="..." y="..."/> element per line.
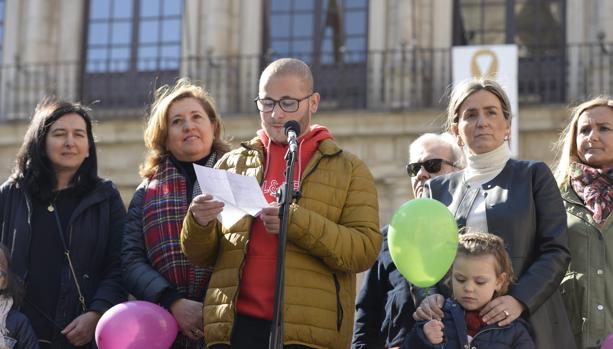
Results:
<point x="15" y="328"/>
<point x="481" y="271"/>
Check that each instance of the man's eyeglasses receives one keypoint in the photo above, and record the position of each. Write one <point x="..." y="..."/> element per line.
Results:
<point x="3" y="274"/>
<point x="432" y="166"/>
<point x="287" y="104"/>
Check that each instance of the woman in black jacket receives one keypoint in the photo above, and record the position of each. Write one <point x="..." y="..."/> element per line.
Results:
<point x="63" y="225"/>
<point x="183" y="129"/>
<point x="516" y="200"/>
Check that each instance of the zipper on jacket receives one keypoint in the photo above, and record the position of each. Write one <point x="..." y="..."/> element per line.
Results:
<point x="238" y="284"/>
<point x="490" y="329"/>
<point x="29" y="235"/>
<point x="69" y="238"/>
<point x="259" y="155"/>
<point x="339" y="306"/>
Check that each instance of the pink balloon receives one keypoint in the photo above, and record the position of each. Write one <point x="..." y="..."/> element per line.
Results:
<point x="136" y="325"/>
<point x="608" y="343"/>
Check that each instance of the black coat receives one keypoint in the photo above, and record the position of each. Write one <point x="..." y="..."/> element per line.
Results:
<point x="524" y="207"/>
<point x="96" y="225"/>
<point x="20" y="329"/>
<point x="384" y="308"/>
<point x="141" y="279"/>
<point x="512" y="336"/>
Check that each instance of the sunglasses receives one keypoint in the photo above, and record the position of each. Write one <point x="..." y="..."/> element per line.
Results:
<point x="432" y="166"/>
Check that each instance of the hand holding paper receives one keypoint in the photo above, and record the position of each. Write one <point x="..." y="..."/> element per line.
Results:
<point x="241" y="195"/>
<point x="204" y="209"/>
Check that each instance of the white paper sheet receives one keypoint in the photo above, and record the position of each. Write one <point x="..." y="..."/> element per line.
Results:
<point x="241" y="194"/>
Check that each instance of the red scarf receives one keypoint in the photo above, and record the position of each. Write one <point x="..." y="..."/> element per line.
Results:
<point x="595" y="187"/>
<point x="473" y="322"/>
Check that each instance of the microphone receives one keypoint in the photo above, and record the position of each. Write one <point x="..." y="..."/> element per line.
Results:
<point x="292" y="130"/>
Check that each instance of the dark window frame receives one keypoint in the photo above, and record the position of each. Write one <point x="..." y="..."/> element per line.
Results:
<point x="340" y="74"/>
<point x="541" y="66"/>
<point x="132" y="85"/>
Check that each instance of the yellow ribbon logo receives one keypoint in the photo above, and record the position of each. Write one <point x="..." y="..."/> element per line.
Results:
<point x="484" y="56"/>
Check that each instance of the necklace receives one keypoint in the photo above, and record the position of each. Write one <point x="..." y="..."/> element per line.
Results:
<point x="51" y="206"/>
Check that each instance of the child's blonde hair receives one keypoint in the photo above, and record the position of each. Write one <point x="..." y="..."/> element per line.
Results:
<point x="474" y="244"/>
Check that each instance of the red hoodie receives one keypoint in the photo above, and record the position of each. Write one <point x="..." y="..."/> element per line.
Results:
<point x="256" y="296"/>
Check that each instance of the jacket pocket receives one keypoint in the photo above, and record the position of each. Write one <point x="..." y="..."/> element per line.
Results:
<point x="573" y="294"/>
<point x="339" y="305"/>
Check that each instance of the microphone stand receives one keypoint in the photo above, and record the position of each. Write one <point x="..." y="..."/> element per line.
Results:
<point x="285" y="198"/>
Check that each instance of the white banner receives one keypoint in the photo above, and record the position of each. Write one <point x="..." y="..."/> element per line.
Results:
<point x="497" y="62"/>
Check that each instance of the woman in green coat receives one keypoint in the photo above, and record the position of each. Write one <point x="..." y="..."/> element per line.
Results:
<point x="585" y="177"/>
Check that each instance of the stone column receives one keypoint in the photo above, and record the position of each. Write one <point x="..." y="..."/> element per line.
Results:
<point x="590" y="66"/>
<point x="377" y="14"/>
<point x="250" y="21"/>
<point x="222" y="43"/>
<point x="440" y="23"/>
<point x="42" y="51"/>
<point x="396" y="64"/>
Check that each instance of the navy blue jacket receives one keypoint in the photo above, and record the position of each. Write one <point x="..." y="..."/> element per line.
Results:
<point x="97" y="225"/>
<point x="384" y="308"/>
<point x="20" y="329"/>
<point x="515" y="335"/>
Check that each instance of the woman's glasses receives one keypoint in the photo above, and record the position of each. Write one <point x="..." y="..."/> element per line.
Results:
<point x="431" y="165"/>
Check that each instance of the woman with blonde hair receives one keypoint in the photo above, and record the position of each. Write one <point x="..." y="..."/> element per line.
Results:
<point x="585" y="176"/>
<point x="517" y="200"/>
<point x="183" y="129"/>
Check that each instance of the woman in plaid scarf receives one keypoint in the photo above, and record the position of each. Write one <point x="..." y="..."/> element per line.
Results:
<point x="183" y="128"/>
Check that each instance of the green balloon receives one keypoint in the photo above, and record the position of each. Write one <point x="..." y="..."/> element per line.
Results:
<point x="423" y="241"/>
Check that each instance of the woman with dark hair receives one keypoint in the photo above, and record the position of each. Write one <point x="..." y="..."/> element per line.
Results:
<point x="14" y="326"/>
<point x="183" y="128"/>
<point x="63" y="225"/>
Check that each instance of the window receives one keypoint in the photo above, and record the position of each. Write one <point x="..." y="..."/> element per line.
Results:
<point x="109" y="35"/>
<point x="536" y="26"/>
<point x="136" y="42"/>
<point x="330" y="36"/>
<point x="484" y="22"/>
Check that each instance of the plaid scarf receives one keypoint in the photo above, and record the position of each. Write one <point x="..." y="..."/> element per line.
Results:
<point x="595" y="187"/>
<point x="164" y="208"/>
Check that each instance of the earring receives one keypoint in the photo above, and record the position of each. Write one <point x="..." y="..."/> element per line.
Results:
<point x="460" y="142"/>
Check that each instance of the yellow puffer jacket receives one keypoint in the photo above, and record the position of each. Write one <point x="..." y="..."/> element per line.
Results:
<point x="333" y="234"/>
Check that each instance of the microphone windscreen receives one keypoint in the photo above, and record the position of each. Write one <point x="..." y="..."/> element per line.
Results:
<point x="292" y="125"/>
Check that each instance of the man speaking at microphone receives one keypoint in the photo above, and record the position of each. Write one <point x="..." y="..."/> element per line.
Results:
<point x="333" y="230"/>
